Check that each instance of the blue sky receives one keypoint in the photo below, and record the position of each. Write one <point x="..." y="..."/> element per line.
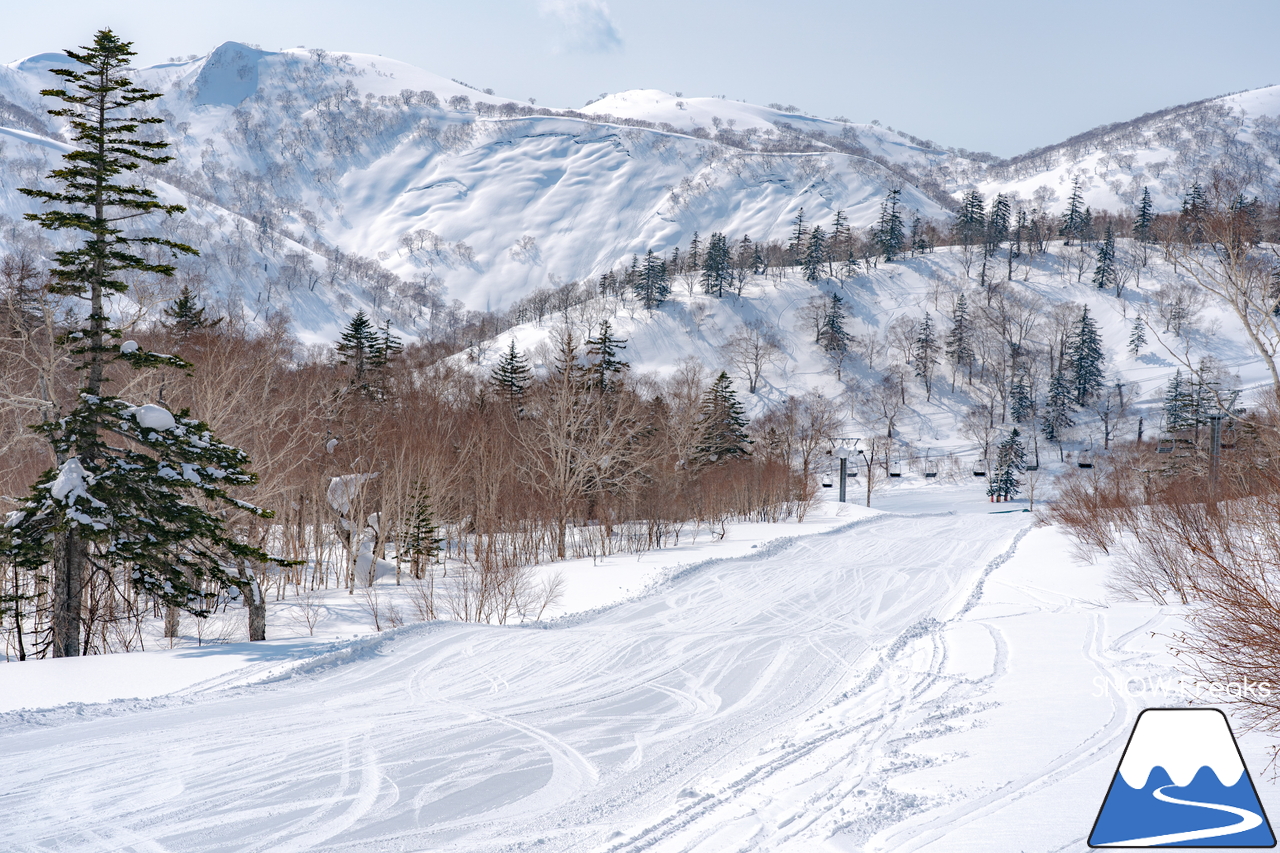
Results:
<point x="995" y="75"/>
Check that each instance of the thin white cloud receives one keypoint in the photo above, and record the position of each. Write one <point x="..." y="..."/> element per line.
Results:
<point x="587" y="25"/>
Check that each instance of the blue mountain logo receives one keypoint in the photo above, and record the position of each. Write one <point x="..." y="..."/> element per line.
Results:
<point x="1181" y="783"/>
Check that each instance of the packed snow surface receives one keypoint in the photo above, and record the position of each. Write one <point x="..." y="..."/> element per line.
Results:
<point x="934" y="677"/>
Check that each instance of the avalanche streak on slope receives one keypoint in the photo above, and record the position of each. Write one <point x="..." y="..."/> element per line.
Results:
<point x="596" y="735"/>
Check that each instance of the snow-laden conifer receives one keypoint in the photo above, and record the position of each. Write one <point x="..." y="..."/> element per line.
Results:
<point x="137" y="492"/>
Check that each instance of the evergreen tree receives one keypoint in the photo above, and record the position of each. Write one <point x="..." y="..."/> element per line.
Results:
<point x="1085" y="356"/>
<point x="840" y="245"/>
<point x="1057" y="407"/>
<point x="1104" y="272"/>
<point x="971" y="220"/>
<point x="187" y="316"/>
<point x="421" y="539"/>
<point x="1011" y="460"/>
<point x="890" y="237"/>
<point x="958" y="344"/>
<point x="652" y="286"/>
<point x="361" y="348"/>
<point x="1021" y="403"/>
<point x="799" y="238"/>
<point x="758" y="265"/>
<point x="1076" y="220"/>
<point x="918" y="238"/>
<point x="511" y="376"/>
<point x="1145" y="218"/>
<point x="815" y="254"/>
<point x="717" y="267"/>
<point x="1195" y="209"/>
<point x="925" y="354"/>
<point x="832" y="336"/>
<point x="694" y="257"/>
<point x="1181" y="409"/>
<point x="385" y="348"/>
<point x="605" y="367"/>
<point x="127" y="495"/>
<point x="998" y="221"/>
<point x="722" y="424"/>
<point x="1137" y="337"/>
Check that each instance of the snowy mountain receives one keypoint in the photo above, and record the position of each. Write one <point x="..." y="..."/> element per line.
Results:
<point x="285" y="157"/>
<point x="320" y="182"/>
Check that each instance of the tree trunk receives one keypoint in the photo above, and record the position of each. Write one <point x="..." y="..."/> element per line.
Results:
<point x="256" y="604"/>
<point x="69" y="557"/>
<point x="172" y="618"/>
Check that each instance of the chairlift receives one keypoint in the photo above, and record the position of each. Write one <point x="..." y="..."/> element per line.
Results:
<point x="895" y="470"/>
<point x="1084" y="459"/>
<point x="826" y="480"/>
<point x="980" y="468"/>
<point x="1165" y="445"/>
<point x="1031" y="467"/>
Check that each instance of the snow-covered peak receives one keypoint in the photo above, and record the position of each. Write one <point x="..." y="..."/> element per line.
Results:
<point x="40" y="62"/>
<point x="1181" y="741"/>
<point x="229" y="75"/>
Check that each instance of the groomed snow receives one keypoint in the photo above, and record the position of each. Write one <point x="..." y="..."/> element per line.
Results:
<point x="935" y="677"/>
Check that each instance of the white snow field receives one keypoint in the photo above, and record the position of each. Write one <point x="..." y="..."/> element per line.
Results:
<point x="936" y="677"/>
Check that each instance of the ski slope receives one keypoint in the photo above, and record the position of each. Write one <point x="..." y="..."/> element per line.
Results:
<point x="914" y="680"/>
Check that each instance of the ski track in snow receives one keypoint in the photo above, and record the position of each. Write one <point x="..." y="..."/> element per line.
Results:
<point x="778" y="702"/>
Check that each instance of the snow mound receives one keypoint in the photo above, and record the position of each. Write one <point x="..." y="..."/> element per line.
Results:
<point x="128" y="347"/>
<point x="70" y="482"/>
<point x="153" y="417"/>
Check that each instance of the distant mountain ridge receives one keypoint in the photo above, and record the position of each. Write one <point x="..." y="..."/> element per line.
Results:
<point x="319" y="181"/>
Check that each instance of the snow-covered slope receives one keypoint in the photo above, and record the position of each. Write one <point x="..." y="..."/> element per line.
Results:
<point x="935" y="678"/>
<point x="1235" y="137"/>
<point x="284" y="157"/>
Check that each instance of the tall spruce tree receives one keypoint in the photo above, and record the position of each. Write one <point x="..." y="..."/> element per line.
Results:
<point x="924" y="354"/>
<point x="890" y="236"/>
<point x="717" y="265"/>
<point x="652" y="286"/>
<point x="1076" y="219"/>
<point x="1145" y="219"/>
<point x="127" y="496"/>
<point x="605" y="367"/>
<point x="722" y="425"/>
<point x="1011" y="460"/>
<point x="186" y="315"/>
<point x="1021" y="401"/>
<point x="1195" y="210"/>
<point x="511" y="376"/>
<point x="971" y="220"/>
<point x="799" y="238"/>
<point x="815" y="254"/>
<point x="420" y="540"/>
<point x="1181" y="411"/>
<point x="958" y="344"/>
<point x="1137" y="337"/>
<point x="1104" y="270"/>
<point x="832" y="335"/>
<point x="1085" y="355"/>
<point x="998" y="221"/>
<point x="1057" y="408"/>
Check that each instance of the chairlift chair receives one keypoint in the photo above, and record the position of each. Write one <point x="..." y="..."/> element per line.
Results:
<point x="1165" y="445"/>
<point x="1031" y="467"/>
<point x="826" y="480"/>
<point x="980" y="468"/>
<point x="895" y="470"/>
<point x="1084" y="459"/>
